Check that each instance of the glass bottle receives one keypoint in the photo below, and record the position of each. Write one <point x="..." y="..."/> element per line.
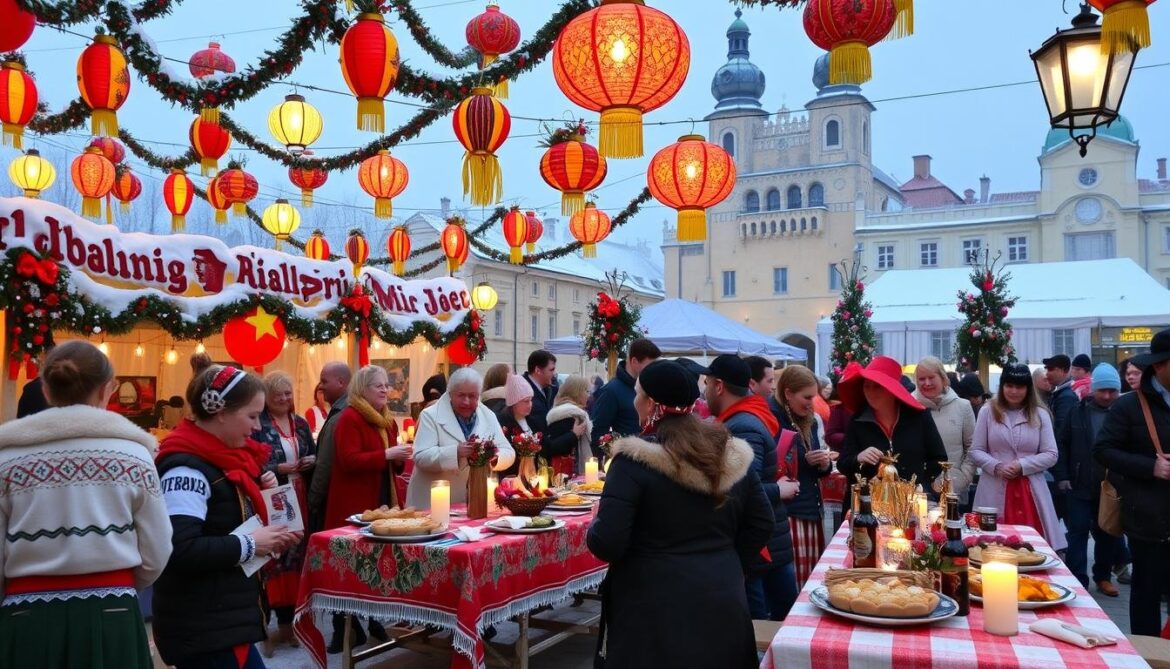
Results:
<point x="865" y="533"/>
<point x="954" y="559"/>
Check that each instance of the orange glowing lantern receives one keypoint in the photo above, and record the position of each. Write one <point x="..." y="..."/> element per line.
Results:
<point x="691" y="176"/>
<point x="357" y="249"/>
<point x="316" y="246"/>
<point x="93" y="176"/>
<point x="846" y="30"/>
<point x="238" y="187"/>
<point x="217" y="200"/>
<point x="453" y="240"/>
<point x="573" y="167"/>
<point x="516" y="234"/>
<point x="535" y="230"/>
<point x="127" y="187"/>
<point x="398" y="247"/>
<point x="210" y="142"/>
<point x="590" y="226"/>
<point x="384" y="177"/>
<point x="481" y="125"/>
<point x="104" y="82"/>
<point x="178" y="193"/>
<point x="18" y="102"/>
<point x="308" y="179"/>
<point x="369" y="63"/>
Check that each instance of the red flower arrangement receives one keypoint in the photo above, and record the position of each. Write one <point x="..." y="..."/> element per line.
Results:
<point x="526" y="444"/>
<point x="613" y="324"/>
<point x="605" y="442"/>
<point x="483" y="451"/>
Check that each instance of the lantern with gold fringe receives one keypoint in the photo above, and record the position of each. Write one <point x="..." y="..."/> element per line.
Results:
<point x="535" y="230"/>
<point x="398" y="248"/>
<point x="516" y="234"/>
<point x="238" y="187"/>
<point x="111" y="148"/>
<point x="281" y="219"/>
<point x="1126" y="25"/>
<point x="308" y="179"/>
<point x="210" y="142"/>
<point x="316" y="246"/>
<point x="217" y="200"/>
<point x="691" y="175"/>
<point x="357" y="249"/>
<point x="93" y="176"/>
<point x="384" y="177"/>
<point x="369" y="63"/>
<point x="622" y="59"/>
<point x="104" y="82"/>
<point x="453" y="241"/>
<point x="573" y="167"/>
<point x="493" y="33"/>
<point x="18" y="102"/>
<point x="205" y="63"/>
<point x="481" y="125"/>
<point x="590" y="226"/>
<point x="32" y="173"/>
<point x="127" y="187"/>
<point x="16" y="25"/>
<point x="295" y="123"/>
<point x="903" y="19"/>
<point x="846" y="30"/>
<point x="178" y="194"/>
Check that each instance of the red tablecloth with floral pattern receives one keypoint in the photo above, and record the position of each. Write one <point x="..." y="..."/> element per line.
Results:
<point x="463" y="588"/>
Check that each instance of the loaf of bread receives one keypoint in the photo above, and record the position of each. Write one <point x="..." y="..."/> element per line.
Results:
<point x="884" y="597"/>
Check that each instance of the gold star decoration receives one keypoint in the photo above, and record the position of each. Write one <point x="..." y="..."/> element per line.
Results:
<point x="264" y="322"/>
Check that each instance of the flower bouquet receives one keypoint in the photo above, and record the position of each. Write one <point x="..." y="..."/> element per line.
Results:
<point x="605" y="443"/>
<point x="925" y="555"/>
<point x="526" y="444"/>
<point x="483" y="451"/>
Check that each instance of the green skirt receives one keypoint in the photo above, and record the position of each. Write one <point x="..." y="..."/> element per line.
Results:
<point x="90" y="633"/>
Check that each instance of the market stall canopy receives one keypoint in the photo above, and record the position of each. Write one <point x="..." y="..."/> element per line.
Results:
<point x="678" y="326"/>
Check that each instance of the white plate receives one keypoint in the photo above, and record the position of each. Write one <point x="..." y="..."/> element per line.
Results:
<point x="588" y="493"/>
<point x="356" y="519"/>
<point x="1048" y="563"/>
<point x="405" y="539"/>
<point x="569" y="507"/>
<point x="1067" y="595"/>
<point x="946" y="608"/>
<point x="557" y="524"/>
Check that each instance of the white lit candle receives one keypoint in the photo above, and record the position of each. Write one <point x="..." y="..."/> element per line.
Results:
<point x="1001" y="605"/>
<point x="921" y="506"/>
<point x="491" y="490"/>
<point x="441" y="502"/>
<point x="591" y="470"/>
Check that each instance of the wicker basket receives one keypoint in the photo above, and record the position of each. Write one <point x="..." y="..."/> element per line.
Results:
<point x="919" y="578"/>
<point x="525" y="506"/>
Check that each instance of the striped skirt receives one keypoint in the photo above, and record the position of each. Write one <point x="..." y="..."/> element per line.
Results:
<point x="808" y="541"/>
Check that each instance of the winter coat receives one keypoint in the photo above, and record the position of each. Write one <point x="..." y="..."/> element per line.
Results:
<point x="674" y="594"/>
<point x="542" y="401"/>
<point x="268" y="434"/>
<point x="916" y="442"/>
<point x="807" y="504"/>
<point x="613" y="408"/>
<point x="494" y="399"/>
<point x="323" y="469"/>
<point x="955" y="421"/>
<point x="839" y="418"/>
<point x="1124" y="446"/>
<point x="32" y="399"/>
<point x="1015" y="439"/>
<point x="744" y="425"/>
<point x="1061" y="402"/>
<point x="360" y="468"/>
<point x="1076" y="464"/>
<point x="436" y="446"/>
<point x="559" y="439"/>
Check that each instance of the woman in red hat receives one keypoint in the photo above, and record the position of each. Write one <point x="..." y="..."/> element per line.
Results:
<point x="887" y="420"/>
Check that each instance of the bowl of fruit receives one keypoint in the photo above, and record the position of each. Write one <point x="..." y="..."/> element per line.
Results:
<point x="523" y="497"/>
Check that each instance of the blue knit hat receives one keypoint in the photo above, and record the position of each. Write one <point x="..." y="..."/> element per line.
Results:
<point x="1105" y="377"/>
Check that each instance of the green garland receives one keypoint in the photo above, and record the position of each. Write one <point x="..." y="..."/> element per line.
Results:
<point x="985" y="332"/>
<point x="72" y="12"/>
<point x="779" y="4"/>
<point x="433" y="48"/>
<point x="612" y="325"/>
<point x="73" y="116"/>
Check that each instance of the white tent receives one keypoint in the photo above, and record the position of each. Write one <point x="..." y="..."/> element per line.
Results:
<point x="678" y="326"/>
<point x="914" y="309"/>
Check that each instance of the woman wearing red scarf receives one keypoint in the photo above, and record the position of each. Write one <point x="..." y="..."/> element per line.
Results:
<point x="206" y="609"/>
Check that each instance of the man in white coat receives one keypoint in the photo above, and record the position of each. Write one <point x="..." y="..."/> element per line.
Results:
<point x="440" y="442"/>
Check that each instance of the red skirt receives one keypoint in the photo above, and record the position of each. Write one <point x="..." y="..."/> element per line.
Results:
<point x="1019" y="508"/>
<point x="808" y="541"/>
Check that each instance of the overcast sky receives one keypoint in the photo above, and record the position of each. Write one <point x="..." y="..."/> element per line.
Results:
<point x="960" y="44"/>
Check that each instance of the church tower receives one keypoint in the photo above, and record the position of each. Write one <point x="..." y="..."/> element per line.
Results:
<point x="737" y="88"/>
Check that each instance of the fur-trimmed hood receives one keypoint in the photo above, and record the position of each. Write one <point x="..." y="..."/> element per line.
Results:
<point x="569" y="410"/>
<point x="73" y="422"/>
<point x="737" y="459"/>
<point x="496" y="393"/>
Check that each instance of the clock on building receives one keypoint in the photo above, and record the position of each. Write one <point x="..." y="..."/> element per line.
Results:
<point x="1087" y="177"/>
<point x="1088" y="210"/>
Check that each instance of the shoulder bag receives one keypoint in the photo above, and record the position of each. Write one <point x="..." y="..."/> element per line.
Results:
<point x="1109" y="509"/>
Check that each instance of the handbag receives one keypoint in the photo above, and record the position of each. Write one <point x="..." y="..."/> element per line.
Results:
<point x="1109" y="509"/>
<point x="784" y="467"/>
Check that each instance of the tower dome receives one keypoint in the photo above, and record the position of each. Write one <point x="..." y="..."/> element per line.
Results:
<point x="820" y="79"/>
<point x="738" y="84"/>
<point x="1121" y="129"/>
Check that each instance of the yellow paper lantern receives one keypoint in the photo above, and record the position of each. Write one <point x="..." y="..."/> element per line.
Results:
<point x="295" y="123"/>
<point x="484" y="297"/>
<point x="281" y="219"/>
<point x="32" y="173"/>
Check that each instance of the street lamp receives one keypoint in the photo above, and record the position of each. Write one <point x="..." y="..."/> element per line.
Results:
<point x="1083" y="85"/>
<point x="484" y="297"/>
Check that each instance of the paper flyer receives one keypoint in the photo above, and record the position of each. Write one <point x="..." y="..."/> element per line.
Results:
<point x="284" y="508"/>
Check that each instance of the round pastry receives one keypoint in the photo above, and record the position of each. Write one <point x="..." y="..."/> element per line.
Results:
<point x="570" y="499"/>
<point x="403" y="527"/>
<point x="383" y="512"/>
<point x="886" y="597"/>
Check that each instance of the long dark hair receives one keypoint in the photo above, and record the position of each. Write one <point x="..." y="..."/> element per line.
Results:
<point x="686" y="439"/>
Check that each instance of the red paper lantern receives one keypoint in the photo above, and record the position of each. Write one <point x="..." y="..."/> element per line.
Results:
<point x="127" y="187"/>
<point x="691" y="176"/>
<point x="254" y="339"/>
<point x="846" y="29"/>
<point x="516" y="234"/>
<point x="111" y="148"/>
<point x="18" y="100"/>
<point x="369" y="63"/>
<point x="398" y="248"/>
<point x="238" y="187"/>
<point x="104" y="82"/>
<point x="535" y="230"/>
<point x="573" y="167"/>
<point x="1126" y="25"/>
<point x="93" y="176"/>
<point x="178" y="194"/>
<point x="453" y="240"/>
<point x="16" y="25"/>
<point x="316" y="246"/>
<point x="460" y="353"/>
<point x="492" y="34"/>
<point x="210" y="142"/>
<point x="384" y="177"/>
<point x="206" y="62"/>
<point x="308" y="179"/>
<point x="357" y="249"/>
<point x="217" y="200"/>
<point x="482" y="124"/>
<point x="590" y="226"/>
<point x="622" y="59"/>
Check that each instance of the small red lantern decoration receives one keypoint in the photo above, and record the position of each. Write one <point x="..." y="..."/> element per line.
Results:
<point x="590" y="226"/>
<point x="308" y="179"/>
<point x="357" y="249"/>
<point x="254" y="339"/>
<point x="104" y="82"/>
<point x="573" y="167"/>
<point x="93" y="176"/>
<point x="1126" y="25"/>
<point x="482" y="124"/>
<point x="111" y="148"/>
<point x="178" y="193"/>
<point x="369" y="63"/>
<point x="516" y="234"/>
<point x="384" y="177"/>
<point x="622" y="59"/>
<point x="205" y="63"/>
<point x="453" y="240"/>
<point x="217" y="200"/>
<point x="127" y="187"/>
<point x="691" y="176"/>
<point x="238" y="187"/>
<point x="846" y="30"/>
<point x="211" y="142"/>
<point x="492" y="34"/>
<point x="398" y="247"/>
<point x="16" y="25"/>
<point x="535" y="230"/>
<point x="459" y="352"/>
<point x="18" y="100"/>
<point x="316" y="246"/>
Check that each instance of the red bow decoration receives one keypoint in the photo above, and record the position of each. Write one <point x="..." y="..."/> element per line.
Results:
<point x="359" y="303"/>
<point x="44" y="270"/>
<point x="47" y="271"/>
<point x="607" y="306"/>
<point x="26" y="265"/>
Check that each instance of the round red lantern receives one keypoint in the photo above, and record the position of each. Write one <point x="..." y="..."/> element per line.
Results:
<point x="255" y="338"/>
<point x="516" y="234"/>
<point x="1125" y="26"/>
<point x="18" y="101"/>
<point x="369" y="63"/>
<point x="178" y="194"/>
<point x="16" y="25"/>
<point x="316" y="246"/>
<point x="459" y="351"/>
<point x="453" y="241"/>
<point x="104" y="82"/>
<point x="111" y="148"/>
<point x="238" y="188"/>
<point x="398" y="248"/>
<point x="535" y="230"/>
<point x="482" y="124"/>
<point x="384" y="177"/>
<point x="206" y="62"/>
<point x="622" y="59"/>
<point x="492" y="33"/>
<point x="590" y="226"/>
<point x="846" y="30"/>
<point x="357" y="249"/>
<point x="210" y="142"/>
<point x="691" y="176"/>
<point x="573" y="167"/>
<point x="217" y="200"/>
<point x="93" y="176"/>
<point x="127" y="187"/>
<point x="308" y="179"/>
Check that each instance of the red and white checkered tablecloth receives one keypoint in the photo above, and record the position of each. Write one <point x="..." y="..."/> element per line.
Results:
<point x="813" y="639"/>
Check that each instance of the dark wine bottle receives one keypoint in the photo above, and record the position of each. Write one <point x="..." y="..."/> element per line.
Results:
<point x="954" y="559"/>
<point x="865" y="531"/>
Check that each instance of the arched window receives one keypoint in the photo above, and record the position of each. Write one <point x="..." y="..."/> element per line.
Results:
<point x="753" y="229"/>
<point x="729" y="143"/>
<point x="814" y="223"/>
<point x="885" y="204"/>
<point x="783" y="226"/>
<point x="804" y="225"/>
<point x="773" y="227"/>
<point x="865" y="137"/>
<point x="751" y="201"/>
<point x="773" y="200"/>
<point x="794" y="197"/>
<point x="833" y="133"/>
<point x="745" y="229"/>
<point x="816" y="195"/>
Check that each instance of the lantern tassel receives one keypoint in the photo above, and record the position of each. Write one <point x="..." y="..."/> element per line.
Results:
<point x="239" y="208"/>
<point x="383" y="207"/>
<point x="13" y="135"/>
<point x="221" y="216"/>
<point x="588" y="250"/>
<point x="452" y="265"/>
<point x="178" y="223"/>
<point x="516" y="257"/>
<point x="104" y="123"/>
<point x="531" y="247"/>
<point x="277" y="244"/>
<point x="109" y="210"/>
<point x="399" y="267"/>
<point x="572" y="202"/>
<point x="621" y="132"/>
<point x="357" y="269"/>
<point x="306" y="197"/>
<point x="125" y="206"/>
<point x="482" y="179"/>
<point x="371" y="115"/>
<point x="208" y="166"/>
<point x="1126" y="27"/>
<point x="849" y="63"/>
<point x="209" y="115"/>
<point x="904" y="21"/>
<point x="692" y="225"/>
<point x="500" y="90"/>
<point x="91" y="207"/>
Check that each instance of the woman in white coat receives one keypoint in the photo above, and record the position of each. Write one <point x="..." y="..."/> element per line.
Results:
<point x="954" y="418"/>
<point x="440" y="442"/>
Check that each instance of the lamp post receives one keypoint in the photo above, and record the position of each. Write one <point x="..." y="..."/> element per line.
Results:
<point x="1083" y="85"/>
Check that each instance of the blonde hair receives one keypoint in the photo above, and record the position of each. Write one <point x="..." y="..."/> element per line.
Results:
<point x="275" y="381"/>
<point x="363" y="378"/>
<point x="934" y="365"/>
<point x="793" y="379"/>
<point x="574" y="390"/>
<point x="496" y="376"/>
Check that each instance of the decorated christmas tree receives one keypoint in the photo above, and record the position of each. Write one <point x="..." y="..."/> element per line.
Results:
<point x="613" y="322"/>
<point x="853" y="336"/>
<point x="985" y="336"/>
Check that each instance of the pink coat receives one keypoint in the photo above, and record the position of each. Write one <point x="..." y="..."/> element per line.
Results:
<point x="1014" y="439"/>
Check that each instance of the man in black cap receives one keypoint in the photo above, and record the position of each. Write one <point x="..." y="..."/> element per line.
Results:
<point x="1081" y="373"/>
<point x="1131" y="445"/>
<point x="1062" y="400"/>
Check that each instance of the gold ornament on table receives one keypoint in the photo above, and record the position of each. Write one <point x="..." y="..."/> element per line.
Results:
<point x="892" y="496"/>
<point x="887" y="469"/>
<point x="946" y="488"/>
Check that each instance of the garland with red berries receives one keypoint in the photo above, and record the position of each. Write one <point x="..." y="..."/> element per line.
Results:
<point x="612" y="325"/>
